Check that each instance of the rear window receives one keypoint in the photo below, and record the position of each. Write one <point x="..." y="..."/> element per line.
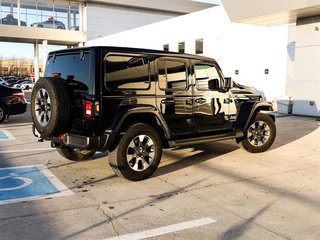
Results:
<point x="73" y="68"/>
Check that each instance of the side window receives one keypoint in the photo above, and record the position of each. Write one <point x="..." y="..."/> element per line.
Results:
<point x="204" y="73"/>
<point x="126" y="72"/>
<point x="172" y="74"/>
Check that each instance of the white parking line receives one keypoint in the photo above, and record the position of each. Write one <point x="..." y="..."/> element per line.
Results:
<point x="5" y="135"/>
<point x="15" y="125"/>
<point x="163" y="230"/>
<point x="28" y="150"/>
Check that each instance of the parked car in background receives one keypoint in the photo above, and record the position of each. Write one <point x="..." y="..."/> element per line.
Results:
<point x="12" y="81"/>
<point x="3" y="82"/>
<point x="26" y="86"/>
<point x="12" y="102"/>
<point x="10" y="20"/>
<point x="20" y="82"/>
<point x="50" y="23"/>
<point x="6" y="78"/>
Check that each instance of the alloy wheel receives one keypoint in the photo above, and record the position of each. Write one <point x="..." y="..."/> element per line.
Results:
<point x="43" y="107"/>
<point x="258" y="133"/>
<point x="140" y="153"/>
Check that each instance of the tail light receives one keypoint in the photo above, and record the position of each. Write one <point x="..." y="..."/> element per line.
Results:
<point x="91" y="109"/>
<point x="56" y="74"/>
<point x="20" y="95"/>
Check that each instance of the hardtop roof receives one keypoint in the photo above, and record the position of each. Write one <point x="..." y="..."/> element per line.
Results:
<point x="133" y="50"/>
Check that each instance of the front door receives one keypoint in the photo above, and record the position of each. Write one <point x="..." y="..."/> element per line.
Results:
<point x="211" y="104"/>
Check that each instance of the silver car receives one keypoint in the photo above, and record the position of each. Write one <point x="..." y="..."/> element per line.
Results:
<point x="50" y="23"/>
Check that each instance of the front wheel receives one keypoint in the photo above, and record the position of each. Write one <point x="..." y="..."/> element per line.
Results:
<point x="75" y="154"/>
<point x="260" y="134"/>
<point x="138" y="153"/>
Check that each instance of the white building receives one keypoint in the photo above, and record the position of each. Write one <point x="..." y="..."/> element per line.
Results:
<point x="303" y="76"/>
<point x="251" y="55"/>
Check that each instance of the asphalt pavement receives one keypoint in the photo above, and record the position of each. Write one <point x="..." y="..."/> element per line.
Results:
<point x="207" y="191"/>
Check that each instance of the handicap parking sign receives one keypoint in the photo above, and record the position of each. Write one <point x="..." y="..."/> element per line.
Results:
<point x="29" y="183"/>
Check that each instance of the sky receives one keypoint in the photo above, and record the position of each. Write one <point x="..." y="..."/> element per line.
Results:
<point x="22" y="50"/>
<point x="25" y="51"/>
<point x="16" y="50"/>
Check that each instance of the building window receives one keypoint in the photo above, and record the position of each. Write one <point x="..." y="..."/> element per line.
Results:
<point x="41" y="13"/>
<point x="166" y="47"/>
<point x="181" y="47"/>
<point x="199" y="46"/>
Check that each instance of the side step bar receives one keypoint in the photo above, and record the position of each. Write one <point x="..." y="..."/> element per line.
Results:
<point x="184" y="142"/>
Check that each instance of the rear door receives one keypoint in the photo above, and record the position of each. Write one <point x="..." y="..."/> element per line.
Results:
<point x="174" y="94"/>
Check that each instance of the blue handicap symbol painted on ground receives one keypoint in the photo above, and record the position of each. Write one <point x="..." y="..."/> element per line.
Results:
<point x="5" y="135"/>
<point x="29" y="183"/>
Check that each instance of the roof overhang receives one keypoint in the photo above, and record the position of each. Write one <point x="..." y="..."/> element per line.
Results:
<point x="174" y="6"/>
<point x="9" y="33"/>
<point x="271" y="12"/>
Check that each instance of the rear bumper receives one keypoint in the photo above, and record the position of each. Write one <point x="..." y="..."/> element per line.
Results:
<point x="97" y="143"/>
<point x="71" y="140"/>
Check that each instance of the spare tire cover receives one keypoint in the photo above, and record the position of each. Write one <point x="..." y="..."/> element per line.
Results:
<point x="50" y="106"/>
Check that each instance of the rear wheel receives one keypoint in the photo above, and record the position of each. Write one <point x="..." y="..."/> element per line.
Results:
<point x="260" y="134"/>
<point x="75" y="154"/>
<point x="3" y="114"/>
<point x="138" y="153"/>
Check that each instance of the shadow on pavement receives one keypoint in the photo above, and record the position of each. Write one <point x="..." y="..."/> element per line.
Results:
<point x="238" y="230"/>
<point x="289" y="129"/>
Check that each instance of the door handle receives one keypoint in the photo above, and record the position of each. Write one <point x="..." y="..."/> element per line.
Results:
<point x="200" y="100"/>
<point x="189" y="101"/>
<point x="167" y="101"/>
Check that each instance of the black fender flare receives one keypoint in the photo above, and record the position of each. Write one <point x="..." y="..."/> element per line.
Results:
<point x="248" y="110"/>
<point x="124" y="113"/>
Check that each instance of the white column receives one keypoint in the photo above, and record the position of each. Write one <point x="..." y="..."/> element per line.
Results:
<point x="82" y="17"/>
<point x="36" y="61"/>
<point x="44" y="54"/>
<point x="18" y="12"/>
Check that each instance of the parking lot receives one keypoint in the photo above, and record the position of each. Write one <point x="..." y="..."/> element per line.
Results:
<point x="208" y="191"/>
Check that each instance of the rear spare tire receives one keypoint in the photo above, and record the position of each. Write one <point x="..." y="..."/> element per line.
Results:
<point x="50" y="106"/>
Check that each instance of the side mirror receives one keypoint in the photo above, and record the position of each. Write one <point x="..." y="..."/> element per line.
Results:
<point x="228" y="83"/>
<point x="213" y="84"/>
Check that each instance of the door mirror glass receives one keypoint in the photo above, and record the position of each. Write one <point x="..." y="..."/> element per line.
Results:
<point x="213" y="84"/>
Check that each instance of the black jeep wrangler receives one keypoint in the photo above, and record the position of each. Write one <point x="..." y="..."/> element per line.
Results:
<point x="134" y="102"/>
